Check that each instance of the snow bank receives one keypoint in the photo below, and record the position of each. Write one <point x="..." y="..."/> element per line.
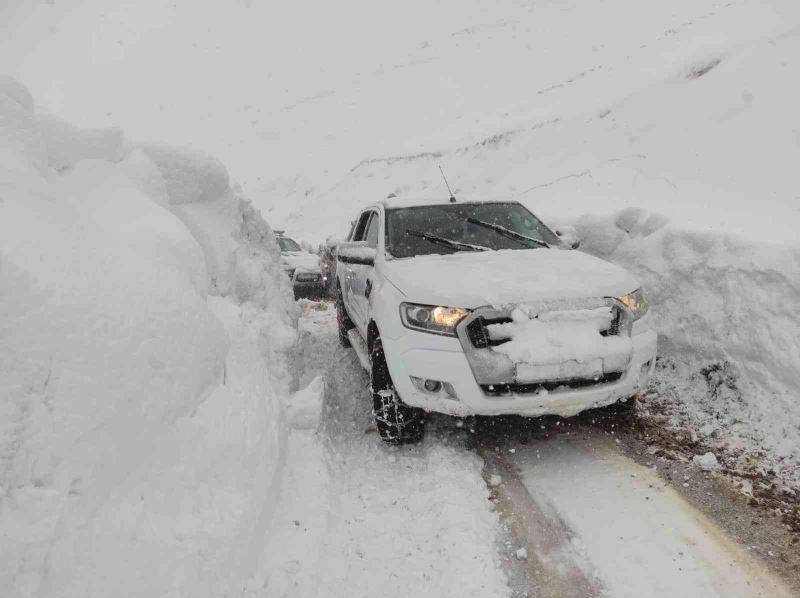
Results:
<point x="141" y="426"/>
<point x="305" y="405"/>
<point x="67" y="144"/>
<point x="729" y="335"/>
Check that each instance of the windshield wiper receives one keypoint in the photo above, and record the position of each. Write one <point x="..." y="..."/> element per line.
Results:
<point x="507" y="232"/>
<point x="457" y="245"/>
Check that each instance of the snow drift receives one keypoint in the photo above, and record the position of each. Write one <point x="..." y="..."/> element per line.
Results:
<point x="145" y="325"/>
<point x="726" y="311"/>
<point x="561" y="344"/>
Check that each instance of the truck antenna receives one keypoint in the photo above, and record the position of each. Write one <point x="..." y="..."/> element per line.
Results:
<point x="452" y="197"/>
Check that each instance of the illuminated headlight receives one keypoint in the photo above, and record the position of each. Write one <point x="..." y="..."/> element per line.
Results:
<point x="432" y="318"/>
<point x="636" y="303"/>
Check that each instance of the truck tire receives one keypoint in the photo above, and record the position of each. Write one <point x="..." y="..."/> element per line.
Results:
<point x="342" y="319"/>
<point x="397" y="423"/>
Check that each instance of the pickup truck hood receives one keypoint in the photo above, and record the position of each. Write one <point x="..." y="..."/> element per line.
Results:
<point x="301" y="261"/>
<point x="498" y="278"/>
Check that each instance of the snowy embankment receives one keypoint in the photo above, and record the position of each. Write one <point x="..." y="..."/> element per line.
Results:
<point x="726" y="312"/>
<point x="146" y="324"/>
<point x="359" y="518"/>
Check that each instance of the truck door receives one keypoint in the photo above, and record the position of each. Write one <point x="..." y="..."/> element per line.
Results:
<point x="348" y="273"/>
<point x="363" y="275"/>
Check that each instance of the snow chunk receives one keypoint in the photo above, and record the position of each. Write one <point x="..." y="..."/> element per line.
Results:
<point x="16" y="91"/>
<point x="495" y="480"/>
<point x="707" y="430"/>
<point x="305" y="406"/>
<point x="522" y="554"/>
<point x="568" y="341"/>
<point x="21" y="142"/>
<point x="707" y="462"/>
<point x="191" y="176"/>
<point x="68" y="144"/>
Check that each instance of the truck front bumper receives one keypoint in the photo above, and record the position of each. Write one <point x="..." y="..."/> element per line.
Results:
<point x="443" y="360"/>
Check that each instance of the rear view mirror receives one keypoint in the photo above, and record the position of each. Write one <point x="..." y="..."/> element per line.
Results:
<point x="356" y="252"/>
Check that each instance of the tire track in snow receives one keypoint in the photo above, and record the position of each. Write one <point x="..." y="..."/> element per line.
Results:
<point x="593" y="521"/>
<point x="553" y="567"/>
<point x="397" y="521"/>
<point x="617" y="521"/>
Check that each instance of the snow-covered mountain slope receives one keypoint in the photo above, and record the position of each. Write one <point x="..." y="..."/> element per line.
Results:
<point x="683" y="108"/>
<point x="688" y="114"/>
<point x="145" y="329"/>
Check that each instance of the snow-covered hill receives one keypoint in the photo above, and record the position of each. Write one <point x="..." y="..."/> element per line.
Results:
<point x="571" y="109"/>
<point x="683" y="108"/>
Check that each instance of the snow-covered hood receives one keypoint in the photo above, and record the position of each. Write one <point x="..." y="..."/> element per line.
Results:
<point x="498" y="278"/>
<point x="301" y="260"/>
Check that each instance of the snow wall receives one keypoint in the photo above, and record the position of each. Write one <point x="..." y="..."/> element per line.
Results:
<point x="729" y="336"/>
<point x="146" y="326"/>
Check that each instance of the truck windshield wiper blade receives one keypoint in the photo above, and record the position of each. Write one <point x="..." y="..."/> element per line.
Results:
<point x="457" y="245"/>
<point x="507" y="232"/>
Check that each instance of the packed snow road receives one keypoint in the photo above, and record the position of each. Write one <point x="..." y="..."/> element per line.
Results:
<point x="481" y="508"/>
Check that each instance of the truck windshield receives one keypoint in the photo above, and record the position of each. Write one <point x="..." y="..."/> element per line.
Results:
<point x="288" y="244"/>
<point x="452" y="222"/>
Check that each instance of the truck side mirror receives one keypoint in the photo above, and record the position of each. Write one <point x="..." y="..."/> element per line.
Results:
<point x="356" y="252"/>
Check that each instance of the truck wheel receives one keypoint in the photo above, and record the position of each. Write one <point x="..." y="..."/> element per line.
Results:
<point x="397" y="423"/>
<point x="342" y="319"/>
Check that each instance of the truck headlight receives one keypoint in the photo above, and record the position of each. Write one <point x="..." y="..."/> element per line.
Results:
<point x="436" y="319"/>
<point x="636" y="303"/>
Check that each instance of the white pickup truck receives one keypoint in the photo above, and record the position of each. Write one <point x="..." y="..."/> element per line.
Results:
<point x="478" y="308"/>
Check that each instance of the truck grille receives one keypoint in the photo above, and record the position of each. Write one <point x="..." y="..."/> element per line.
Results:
<point x="479" y="336"/>
<point x="496" y="390"/>
<point x="616" y="322"/>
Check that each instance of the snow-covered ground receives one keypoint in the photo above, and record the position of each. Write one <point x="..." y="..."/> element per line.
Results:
<point x="359" y="518"/>
<point x="631" y="533"/>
